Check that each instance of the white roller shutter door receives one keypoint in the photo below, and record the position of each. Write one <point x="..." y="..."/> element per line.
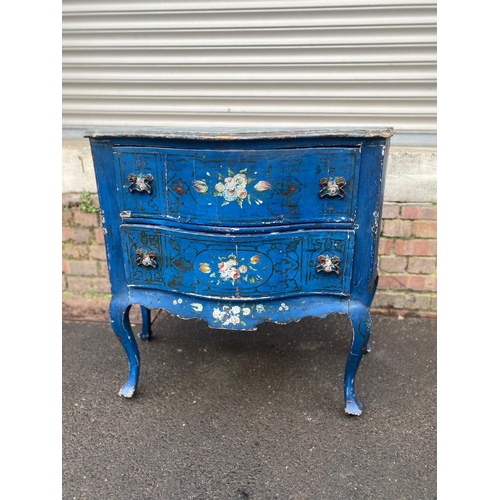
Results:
<point x="258" y="63"/>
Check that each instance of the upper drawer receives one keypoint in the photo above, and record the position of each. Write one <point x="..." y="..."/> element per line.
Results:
<point x="239" y="187"/>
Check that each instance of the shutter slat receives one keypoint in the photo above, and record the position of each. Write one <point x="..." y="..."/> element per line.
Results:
<point x="203" y="6"/>
<point x="258" y="105"/>
<point x="250" y="18"/>
<point x="251" y="37"/>
<point x="320" y="89"/>
<point x="260" y="55"/>
<point x="303" y="72"/>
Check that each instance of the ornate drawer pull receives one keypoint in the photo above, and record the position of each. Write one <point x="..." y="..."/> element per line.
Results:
<point x="140" y="183"/>
<point x="332" y="188"/>
<point x="328" y="264"/>
<point x="146" y="259"/>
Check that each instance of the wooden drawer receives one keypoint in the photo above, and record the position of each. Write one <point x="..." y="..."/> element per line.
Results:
<point x="238" y="187"/>
<point x="243" y="266"/>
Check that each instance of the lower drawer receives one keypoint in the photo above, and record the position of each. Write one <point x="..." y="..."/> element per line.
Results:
<point x="238" y="266"/>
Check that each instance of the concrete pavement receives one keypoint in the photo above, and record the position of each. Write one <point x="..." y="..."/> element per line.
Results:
<point x="250" y="415"/>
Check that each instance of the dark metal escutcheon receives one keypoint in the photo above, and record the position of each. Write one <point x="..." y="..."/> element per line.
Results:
<point x="328" y="264"/>
<point x="332" y="188"/>
<point x="146" y="259"/>
<point x="140" y="183"/>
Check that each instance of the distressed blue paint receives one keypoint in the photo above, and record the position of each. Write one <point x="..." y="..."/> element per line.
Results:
<point x="228" y="228"/>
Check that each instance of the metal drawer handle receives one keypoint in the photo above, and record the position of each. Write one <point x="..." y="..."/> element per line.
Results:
<point x="140" y="183"/>
<point x="146" y="259"/>
<point x="332" y="188"/>
<point x="328" y="264"/>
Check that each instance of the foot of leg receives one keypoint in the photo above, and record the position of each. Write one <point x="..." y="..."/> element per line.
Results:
<point x="119" y="314"/>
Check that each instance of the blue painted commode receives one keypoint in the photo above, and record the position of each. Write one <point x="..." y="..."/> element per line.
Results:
<point x="241" y="227"/>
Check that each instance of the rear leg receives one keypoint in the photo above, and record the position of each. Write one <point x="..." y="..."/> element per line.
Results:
<point x="146" y="332"/>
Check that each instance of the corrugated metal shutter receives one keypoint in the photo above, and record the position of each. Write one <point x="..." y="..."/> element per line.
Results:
<point x="267" y="63"/>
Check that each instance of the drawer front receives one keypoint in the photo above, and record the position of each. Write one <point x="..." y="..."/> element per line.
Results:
<point x="243" y="266"/>
<point x="239" y="187"/>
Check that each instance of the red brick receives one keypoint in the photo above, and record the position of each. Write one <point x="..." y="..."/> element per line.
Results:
<point x="101" y="285"/>
<point x="390" y="211"/>
<point x="65" y="266"/>
<point x="433" y="306"/>
<point x="86" y="219"/>
<point x="397" y="228"/>
<point x="392" y="264"/>
<point x="78" y="252"/>
<point x="415" y="247"/>
<point x="103" y="269"/>
<point x="402" y="301"/>
<point x="81" y="235"/>
<point x="99" y="236"/>
<point x="78" y="284"/>
<point x="68" y="233"/>
<point x="384" y="282"/>
<point x="425" y="229"/>
<point x="71" y="199"/>
<point x="385" y="246"/>
<point x="422" y="265"/>
<point x="98" y="252"/>
<point x="419" y="212"/>
<point x="82" y="268"/>
<point x="410" y="282"/>
<point x="67" y="217"/>
<point x="417" y="302"/>
<point x="388" y="300"/>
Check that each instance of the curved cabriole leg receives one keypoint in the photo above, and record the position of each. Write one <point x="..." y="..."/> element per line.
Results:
<point x="361" y="322"/>
<point x="146" y="324"/>
<point x="119" y="313"/>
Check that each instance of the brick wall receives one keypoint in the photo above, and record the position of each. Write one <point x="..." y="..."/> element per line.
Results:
<point x="407" y="261"/>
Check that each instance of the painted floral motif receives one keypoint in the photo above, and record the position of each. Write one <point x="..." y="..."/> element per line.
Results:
<point x="234" y="187"/>
<point x="201" y="186"/>
<point x="197" y="307"/>
<point x="230" y="315"/>
<point x="232" y="269"/>
<point x="235" y="315"/>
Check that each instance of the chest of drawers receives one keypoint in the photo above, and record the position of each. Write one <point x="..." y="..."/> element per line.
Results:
<point x="242" y="227"/>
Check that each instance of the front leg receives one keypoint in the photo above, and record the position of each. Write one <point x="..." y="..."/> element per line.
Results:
<point x="119" y="313"/>
<point x="360" y="317"/>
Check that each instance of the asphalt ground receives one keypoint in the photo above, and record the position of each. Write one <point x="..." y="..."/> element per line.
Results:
<point x="250" y="415"/>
